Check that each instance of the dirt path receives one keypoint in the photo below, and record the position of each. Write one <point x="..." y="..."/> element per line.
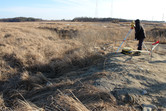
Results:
<point x="142" y="77"/>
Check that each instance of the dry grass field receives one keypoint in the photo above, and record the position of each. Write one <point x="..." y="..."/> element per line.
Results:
<point x="54" y="66"/>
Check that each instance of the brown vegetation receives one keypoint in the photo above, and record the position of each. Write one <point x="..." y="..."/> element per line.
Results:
<point x="43" y="65"/>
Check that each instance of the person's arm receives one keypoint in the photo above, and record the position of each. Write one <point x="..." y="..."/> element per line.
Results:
<point x="136" y="33"/>
<point x="143" y="30"/>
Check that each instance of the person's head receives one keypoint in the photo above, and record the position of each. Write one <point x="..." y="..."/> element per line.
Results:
<point x="137" y="23"/>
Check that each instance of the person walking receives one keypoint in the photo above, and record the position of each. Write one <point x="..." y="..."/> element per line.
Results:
<point x="139" y="34"/>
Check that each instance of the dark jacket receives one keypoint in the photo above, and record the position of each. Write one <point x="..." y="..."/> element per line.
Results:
<point x="139" y="31"/>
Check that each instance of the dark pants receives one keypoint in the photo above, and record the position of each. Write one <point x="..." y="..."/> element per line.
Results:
<point x="140" y="44"/>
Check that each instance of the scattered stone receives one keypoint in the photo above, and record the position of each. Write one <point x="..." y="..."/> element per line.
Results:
<point x="49" y="83"/>
<point x="144" y="92"/>
<point x="124" y="97"/>
<point x="148" y="107"/>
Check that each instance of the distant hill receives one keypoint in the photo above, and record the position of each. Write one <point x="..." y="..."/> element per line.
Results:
<point x="77" y="19"/>
<point x="115" y="20"/>
<point x="87" y="19"/>
<point x="20" y="19"/>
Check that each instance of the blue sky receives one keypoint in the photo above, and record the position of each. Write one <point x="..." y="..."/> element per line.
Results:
<point x="69" y="9"/>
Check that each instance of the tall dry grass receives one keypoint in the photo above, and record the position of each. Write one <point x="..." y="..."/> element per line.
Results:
<point x="25" y="46"/>
<point x="36" y="58"/>
<point x="155" y="32"/>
